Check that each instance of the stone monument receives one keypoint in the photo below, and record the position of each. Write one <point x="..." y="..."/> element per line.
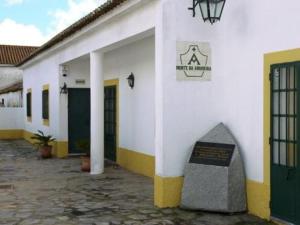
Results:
<point x="214" y="178"/>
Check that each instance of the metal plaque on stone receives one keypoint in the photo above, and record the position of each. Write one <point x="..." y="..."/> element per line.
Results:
<point x="214" y="178"/>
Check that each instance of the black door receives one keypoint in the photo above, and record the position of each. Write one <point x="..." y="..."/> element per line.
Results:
<point x="284" y="142"/>
<point x="79" y="117"/>
<point x="110" y="121"/>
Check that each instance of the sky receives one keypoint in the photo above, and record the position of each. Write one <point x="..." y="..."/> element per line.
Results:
<point x="34" y="22"/>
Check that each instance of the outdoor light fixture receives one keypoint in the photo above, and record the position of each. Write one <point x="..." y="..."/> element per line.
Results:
<point x="131" y="80"/>
<point x="65" y="70"/>
<point x="64" y="89"/>
<point x="211" y="10"/>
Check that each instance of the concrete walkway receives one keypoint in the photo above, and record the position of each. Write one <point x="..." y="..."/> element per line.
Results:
<point x="55" y="192"/>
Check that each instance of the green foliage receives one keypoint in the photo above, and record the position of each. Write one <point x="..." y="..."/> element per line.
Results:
<point x="84" y="145"/>
<point x="42" y="139"/>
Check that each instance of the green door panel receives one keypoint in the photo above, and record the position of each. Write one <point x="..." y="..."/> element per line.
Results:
<point x="78" y="117"/>
<point x="284" y="141"/>
<point x="110" y="122"/>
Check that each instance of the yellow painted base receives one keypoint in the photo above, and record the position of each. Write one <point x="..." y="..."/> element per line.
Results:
<point x="60" y="149"/>
<point x="11" y="134"/>
<point x="136" y="162"/>
<point x="258" y="197"/>
<point x="167" y="191"/>
<point x="27" y="136"/>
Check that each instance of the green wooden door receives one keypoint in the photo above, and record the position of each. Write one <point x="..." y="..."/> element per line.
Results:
<point x="79" y="117"/>
<point x="284" y="142"/>
<point x="110" y="121"/>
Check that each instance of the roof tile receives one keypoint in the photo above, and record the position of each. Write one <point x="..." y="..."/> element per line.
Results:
<point x="12" y="54"/>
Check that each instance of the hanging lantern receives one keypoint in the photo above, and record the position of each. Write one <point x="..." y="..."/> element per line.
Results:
<point x="211" y="10"/>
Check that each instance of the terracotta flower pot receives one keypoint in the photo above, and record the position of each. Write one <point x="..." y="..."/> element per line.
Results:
<point x="85" y="164"/>
<point x="46" y="152"/>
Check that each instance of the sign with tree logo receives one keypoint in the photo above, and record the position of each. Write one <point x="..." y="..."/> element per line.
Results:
<point x="193" y="61"/>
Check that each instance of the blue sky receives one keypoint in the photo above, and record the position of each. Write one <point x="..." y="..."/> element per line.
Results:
<point x="33" y="22"/>
<point x="32" y="12"/>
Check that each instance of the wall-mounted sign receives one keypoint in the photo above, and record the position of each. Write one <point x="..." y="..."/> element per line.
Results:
<point x="193" y="61"/>
<point x="79" y="81"/>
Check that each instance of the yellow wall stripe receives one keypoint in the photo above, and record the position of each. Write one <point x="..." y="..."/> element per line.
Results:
<point x="136" y="162"/>
<point x="167" y="191"/>
<point x="11" y="134"/>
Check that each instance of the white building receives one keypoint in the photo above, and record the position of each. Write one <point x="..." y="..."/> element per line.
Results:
<point x="152" y="127"/>
<point x="10" y="75"/>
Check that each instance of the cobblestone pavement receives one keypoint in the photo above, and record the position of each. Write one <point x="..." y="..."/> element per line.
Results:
<point x="55" y="192"/>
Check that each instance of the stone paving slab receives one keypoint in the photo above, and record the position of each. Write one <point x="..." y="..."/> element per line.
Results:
<point x="55" y="192"/>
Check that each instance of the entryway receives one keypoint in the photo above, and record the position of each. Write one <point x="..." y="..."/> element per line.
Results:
<point x="79" y="108"/>
<point x="285" y="174"/>
<point x="110" y="122"/>
<point x="79" y="119"/>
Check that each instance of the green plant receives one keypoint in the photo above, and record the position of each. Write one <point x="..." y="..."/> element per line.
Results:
<point x="42" y="139"/>
<point x="83" y="145"/>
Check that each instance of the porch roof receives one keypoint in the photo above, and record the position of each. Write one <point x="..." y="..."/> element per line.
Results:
<point x="75" y="27"/>
<point x="12" y="88"/>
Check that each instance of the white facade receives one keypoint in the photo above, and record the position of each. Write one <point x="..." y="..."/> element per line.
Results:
<point x="9" y="75"/>
<point x="11" y="119"/>
<point x="162" y="116"/>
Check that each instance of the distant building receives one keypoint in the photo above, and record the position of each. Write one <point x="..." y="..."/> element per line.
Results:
<point x="10" y="75"/>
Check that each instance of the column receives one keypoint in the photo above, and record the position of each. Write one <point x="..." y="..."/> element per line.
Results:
<point x="97" y="113"/>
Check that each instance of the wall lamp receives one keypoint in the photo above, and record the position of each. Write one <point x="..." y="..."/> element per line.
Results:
<point x="211" y="10"/>
<point x="130" y="80"/>
<point x="64" y="89"/>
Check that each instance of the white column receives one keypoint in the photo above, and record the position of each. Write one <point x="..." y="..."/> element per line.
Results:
<point x="97" y="113"/>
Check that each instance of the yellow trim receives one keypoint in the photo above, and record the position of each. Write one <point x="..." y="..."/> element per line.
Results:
<point x="258" y="197"/>
<point x="61" y="149"/>
<point x="46" y="122"/>
<point x="27" y="136"/>
<point x="167" y="191"/>
<point x="11" y="134"/>
<point x="29" y="118"/>
<point x="258" y="206"/>
<point x="136" y="162"/>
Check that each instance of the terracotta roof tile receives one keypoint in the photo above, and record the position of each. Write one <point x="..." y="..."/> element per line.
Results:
<point x="75" y="27"/>
<point x="12" y="54"/>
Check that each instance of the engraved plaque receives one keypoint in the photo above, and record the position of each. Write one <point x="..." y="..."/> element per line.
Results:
<point x="212" y="154"/>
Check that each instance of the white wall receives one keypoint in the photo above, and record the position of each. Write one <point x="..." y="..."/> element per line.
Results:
<point x="9" y="75"/>
<point x="12" y="99"/>
<point x="248" y="29"/>
<point x="137" y="124"/>
<point x="136" y="105"/>
<point x="43" y="73"/>
<point x="11" y="118"/>
<point x="133" y="21"/>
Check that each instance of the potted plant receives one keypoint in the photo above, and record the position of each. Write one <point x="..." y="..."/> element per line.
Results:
<point x="84" y="145"/>
<point x="43" y="142"/>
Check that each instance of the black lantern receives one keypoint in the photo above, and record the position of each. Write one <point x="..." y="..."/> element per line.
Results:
<point x="211" y="10"/>
<point x="64" y="89"/>
<point x="131" y="80"/>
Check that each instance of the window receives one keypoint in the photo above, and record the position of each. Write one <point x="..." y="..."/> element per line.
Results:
<point x="45" y="105"/>
<point x="28" y="104"/>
